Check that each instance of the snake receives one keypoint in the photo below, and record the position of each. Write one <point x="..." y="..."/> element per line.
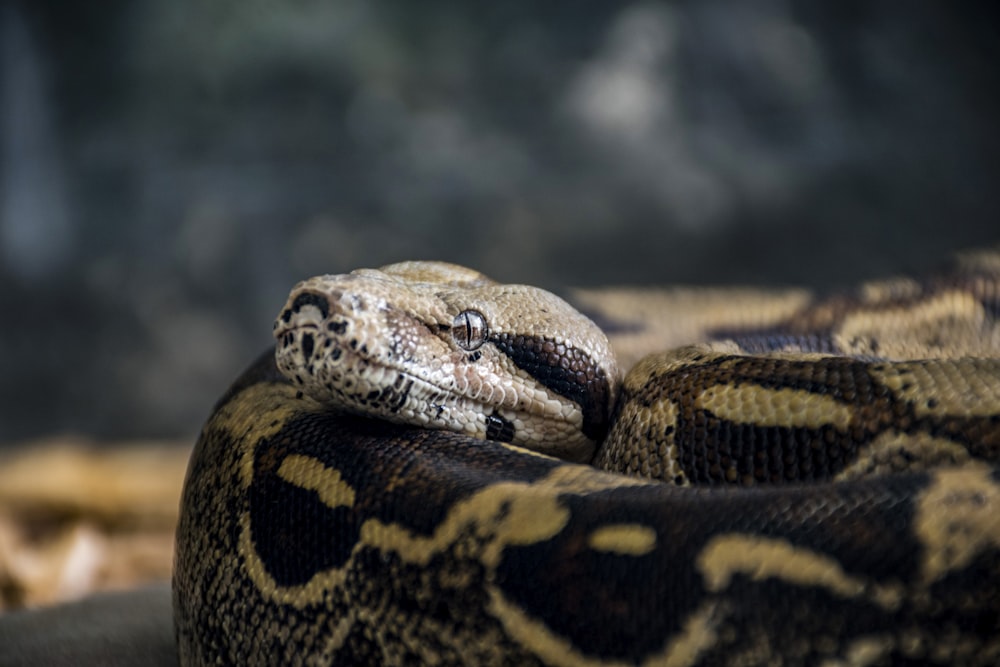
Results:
<point x="430" y="467"/>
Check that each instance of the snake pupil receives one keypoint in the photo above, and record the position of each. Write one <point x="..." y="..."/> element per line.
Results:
<point x="469" y="329"/>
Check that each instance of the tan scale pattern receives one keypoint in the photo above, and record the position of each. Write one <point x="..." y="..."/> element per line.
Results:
<point x="497" y="555"/>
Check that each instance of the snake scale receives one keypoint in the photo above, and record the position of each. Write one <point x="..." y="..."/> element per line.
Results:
<point x="795" y="479"/>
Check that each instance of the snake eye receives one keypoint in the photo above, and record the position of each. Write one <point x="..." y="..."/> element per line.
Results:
<point x="469" y="329"/>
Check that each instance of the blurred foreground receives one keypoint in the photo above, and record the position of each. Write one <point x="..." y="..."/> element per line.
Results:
<point x="75" y="519"/>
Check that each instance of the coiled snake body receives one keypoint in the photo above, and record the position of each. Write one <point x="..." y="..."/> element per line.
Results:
<point x="812" y="483"/>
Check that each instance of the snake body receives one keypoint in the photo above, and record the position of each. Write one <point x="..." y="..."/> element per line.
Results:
<point x="795" y="480"/>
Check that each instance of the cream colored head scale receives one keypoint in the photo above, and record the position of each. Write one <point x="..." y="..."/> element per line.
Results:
<point x="438" y="345"/>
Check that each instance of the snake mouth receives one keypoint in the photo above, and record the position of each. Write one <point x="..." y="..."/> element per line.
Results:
<point x="348" y="378"/>
<point x="333" y="345"/>
<point x="340" y="371"/>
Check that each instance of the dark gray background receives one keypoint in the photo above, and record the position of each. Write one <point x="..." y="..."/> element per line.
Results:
<point x="168" y="168"/>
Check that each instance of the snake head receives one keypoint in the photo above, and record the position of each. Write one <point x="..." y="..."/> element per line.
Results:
<point x="441" y="346"/>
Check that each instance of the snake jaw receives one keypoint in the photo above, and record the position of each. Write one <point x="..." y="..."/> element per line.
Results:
<point x="380" y="344"/>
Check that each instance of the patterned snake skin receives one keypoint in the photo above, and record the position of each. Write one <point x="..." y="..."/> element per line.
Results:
<point x="792" y="480"/>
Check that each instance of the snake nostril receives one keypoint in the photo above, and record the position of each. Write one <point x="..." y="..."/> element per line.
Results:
<point x="310" y="299"/>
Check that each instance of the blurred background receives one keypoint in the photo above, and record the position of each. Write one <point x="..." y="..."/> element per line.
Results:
<point x="169" y="168"/>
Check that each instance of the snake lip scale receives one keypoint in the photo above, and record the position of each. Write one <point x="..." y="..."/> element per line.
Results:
<point x="779" y="477"/>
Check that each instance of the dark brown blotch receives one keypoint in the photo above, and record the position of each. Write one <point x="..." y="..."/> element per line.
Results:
<point x="566" y="370"/>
